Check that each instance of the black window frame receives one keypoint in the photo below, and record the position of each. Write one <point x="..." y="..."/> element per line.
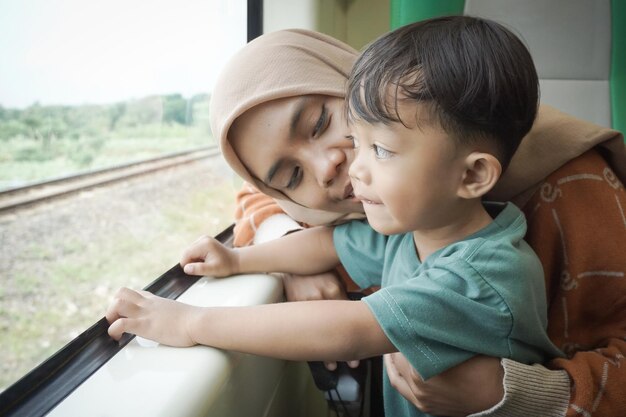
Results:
<point x="48" y="384"/>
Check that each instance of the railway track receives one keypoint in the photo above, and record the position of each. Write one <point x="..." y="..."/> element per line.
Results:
<point x="14" y="199"/>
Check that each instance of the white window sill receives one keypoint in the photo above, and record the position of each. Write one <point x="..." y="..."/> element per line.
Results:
<point x="146" y="379"/>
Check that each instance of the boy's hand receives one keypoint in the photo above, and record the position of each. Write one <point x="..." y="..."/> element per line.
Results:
<point x="155" y="318"/>
<point x="207" y="256"/>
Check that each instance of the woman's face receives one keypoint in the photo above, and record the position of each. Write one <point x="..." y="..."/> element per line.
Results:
<point x="299" y="147"/>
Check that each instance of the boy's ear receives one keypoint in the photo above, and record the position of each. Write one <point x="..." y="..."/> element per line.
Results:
<point x="482" y="172"/>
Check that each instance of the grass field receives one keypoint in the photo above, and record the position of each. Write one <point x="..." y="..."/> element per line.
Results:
<point x="25" y="160"/>
<point x="60" y="268"/>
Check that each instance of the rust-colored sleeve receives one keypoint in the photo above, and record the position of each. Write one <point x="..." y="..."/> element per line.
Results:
<point x="577" y="226"/>
<point x="253" y="207"/>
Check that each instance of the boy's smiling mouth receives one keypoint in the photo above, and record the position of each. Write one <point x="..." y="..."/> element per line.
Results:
<point x="365" y="200"/>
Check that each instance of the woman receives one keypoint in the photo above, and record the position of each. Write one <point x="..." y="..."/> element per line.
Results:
<point x="277" y="111"/>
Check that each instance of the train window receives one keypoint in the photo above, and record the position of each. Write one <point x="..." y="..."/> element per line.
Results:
<point x="89" y="91"/>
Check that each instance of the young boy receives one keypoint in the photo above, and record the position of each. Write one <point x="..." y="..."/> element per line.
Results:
<point x="437" y="110"/>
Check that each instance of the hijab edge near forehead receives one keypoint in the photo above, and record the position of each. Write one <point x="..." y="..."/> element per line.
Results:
<point x="277" y="65"/>
<point x="233" y="158"/>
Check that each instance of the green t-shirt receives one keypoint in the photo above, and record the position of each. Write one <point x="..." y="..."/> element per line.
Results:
<point x="482" y="295"/>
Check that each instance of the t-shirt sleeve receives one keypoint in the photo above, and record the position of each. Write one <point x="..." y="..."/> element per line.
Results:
<point x="361" y="251"/>
<point x="442" y="317"/>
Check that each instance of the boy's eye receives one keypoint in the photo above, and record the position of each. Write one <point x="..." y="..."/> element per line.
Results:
<point x="321" y="122"/>
<point x="294" y="180"/>
<point x="381" y="153"/>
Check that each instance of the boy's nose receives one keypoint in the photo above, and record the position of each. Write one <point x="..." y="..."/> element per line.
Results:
<point x="355" y="171"/>
<point x="359" y="169"/>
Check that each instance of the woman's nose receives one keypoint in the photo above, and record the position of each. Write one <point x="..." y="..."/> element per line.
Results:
<point x="328" y="166"/>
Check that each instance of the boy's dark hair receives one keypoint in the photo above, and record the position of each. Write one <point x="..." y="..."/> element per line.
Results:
<point x="477" y="77"/>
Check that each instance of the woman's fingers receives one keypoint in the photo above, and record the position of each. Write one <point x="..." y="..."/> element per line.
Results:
<point x="353" y="364"/>
<point x="397" y="379"/>
<point x="332" y="366"/>
<point x="325" y="286"/>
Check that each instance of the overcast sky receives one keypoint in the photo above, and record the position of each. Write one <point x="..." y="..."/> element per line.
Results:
<point x="87" y="51"/>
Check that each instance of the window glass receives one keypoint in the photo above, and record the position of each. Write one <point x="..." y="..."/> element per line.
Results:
<point x="87" y="85"/>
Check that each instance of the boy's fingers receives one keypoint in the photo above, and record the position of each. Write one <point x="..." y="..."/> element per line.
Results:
<point x="119" y="327"/>
<point x="124" y="304"/>
<point x="146" y="294"/>
<point x="120" y="308"/>
<point x="197" y="268"/>
<point x="203" y="269"/>
<point x="126" y="293"/>
<point x="197" y="251"/>
<point x="190" y="255"/>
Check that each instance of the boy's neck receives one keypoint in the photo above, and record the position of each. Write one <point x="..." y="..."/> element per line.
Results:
<point x="469" y="218"/>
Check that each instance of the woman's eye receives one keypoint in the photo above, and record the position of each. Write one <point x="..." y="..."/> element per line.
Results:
<point x="294" y="180"/>
<point x="353" y="140"/>
<point x="321" y="122"/>
<point x="381" y="153"/>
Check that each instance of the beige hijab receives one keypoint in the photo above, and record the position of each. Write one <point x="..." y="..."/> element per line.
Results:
<point x="555" y="139"/>
<point x="280" y="64"/>
<point x="296" y="62"/>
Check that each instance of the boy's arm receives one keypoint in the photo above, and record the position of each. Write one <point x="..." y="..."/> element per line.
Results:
<point x="307" y="252"/>
<point x="309" y="330"/>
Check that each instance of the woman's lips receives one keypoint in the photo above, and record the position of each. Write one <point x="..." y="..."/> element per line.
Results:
<point x="348" y="192"/>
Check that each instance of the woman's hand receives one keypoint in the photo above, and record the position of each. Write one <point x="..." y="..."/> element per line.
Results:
<point x="474" y="385"/>
<point x="326" y="286"/>
<point x="207" y="256"/>
<point x="155" y="318"/>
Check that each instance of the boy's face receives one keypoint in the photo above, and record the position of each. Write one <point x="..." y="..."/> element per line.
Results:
<point x="406" y="176"/>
